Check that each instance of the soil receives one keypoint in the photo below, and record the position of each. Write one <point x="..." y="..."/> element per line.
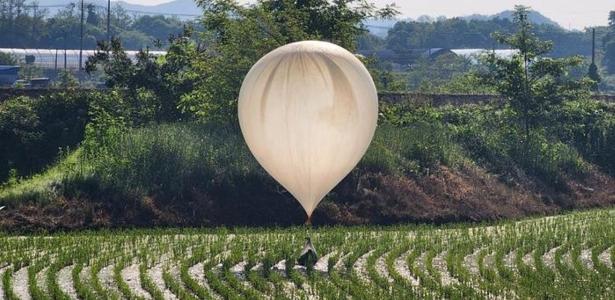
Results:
<point x="466" y="193"/>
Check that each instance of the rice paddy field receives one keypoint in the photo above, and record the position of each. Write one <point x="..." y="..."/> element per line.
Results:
<point x="566" y="256"/>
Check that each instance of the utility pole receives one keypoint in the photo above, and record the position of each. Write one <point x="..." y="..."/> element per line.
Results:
<point x="593" y="46"/>
<point x="34" y="8"/>
<point x="109" y="21"/>
<point x="81" y="39"/>
<point x="65" y="37"/>
<point x="594" y="73"/>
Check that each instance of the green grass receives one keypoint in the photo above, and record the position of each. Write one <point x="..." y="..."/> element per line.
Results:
<point x="189" y="169"/>
<point x="176" y="251"/>
<point x="46" y="185"/>
<point x="171" y="159"/>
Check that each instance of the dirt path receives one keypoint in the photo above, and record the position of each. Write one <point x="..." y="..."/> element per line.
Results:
<point x="155" y="274"/>
<point x="471" y="261"/>
<point x="41" y="280"/>
<point x="528" y="260"/>
<point x="197" y="272"/>
<point x="381" y="267"/>
<point x="130" y="275"/>
<point x="401" y="267"/>
<point x="20" y="284"/>
<point x="549" y="258"/>
<point x="360" y="267"/>
<point x="586" y="259"/>
<point x="439" y="263"/>
<point x="605" y="258"/>
<point x="509" y="261"/>
<point x="65" y="282"/>
<point x="322" y="265"/>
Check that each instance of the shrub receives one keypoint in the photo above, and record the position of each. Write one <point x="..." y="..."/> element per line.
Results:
<point x="20" y="135"/>
<point x="33" y="131"/>
<point x="589" y="126"/>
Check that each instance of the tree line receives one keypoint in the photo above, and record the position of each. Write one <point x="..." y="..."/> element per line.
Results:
<point x="456" y="33"/>
<point x="27" y="25"/>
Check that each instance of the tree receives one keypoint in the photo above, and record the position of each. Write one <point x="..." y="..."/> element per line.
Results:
<point x="237" y="36"/>
<point x="158" y="27"/>
<point x="93" y="18"/>
<point x="152" y="83"/>
<point x="594" y="75"/>
<point x="7" y="59"/>
<point x="67" y="80"/>
<point x="455" y="33"/>
<point x="532" y="83"/>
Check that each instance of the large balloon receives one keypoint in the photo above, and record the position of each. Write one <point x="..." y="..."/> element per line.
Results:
<point x="308" y="111"/>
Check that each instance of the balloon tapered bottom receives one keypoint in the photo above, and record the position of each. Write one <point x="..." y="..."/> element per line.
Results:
<point x="309" y="220"/>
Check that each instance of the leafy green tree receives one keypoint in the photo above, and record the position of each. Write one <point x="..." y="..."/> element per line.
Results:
<point x="383" y="77"/>
<point x="455" y="33"/>
<point x="152" y="83"/>
<point x="92" y="16"/>
<point x="594" y="75"/>
<point x="158" y="27"/>
<point x="7" y="59"/>
<point x="532" y="83"/>
<point x="67" y="80"/>
<point x="206" y="76"/>
<point x="368" y="41"/>
<point x="237" y="36"/>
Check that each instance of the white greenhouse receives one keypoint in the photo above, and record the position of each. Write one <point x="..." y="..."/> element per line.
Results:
<point x="60" y="58"/>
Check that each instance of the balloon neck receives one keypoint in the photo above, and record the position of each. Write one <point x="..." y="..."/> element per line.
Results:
<point x="309" y="221"/>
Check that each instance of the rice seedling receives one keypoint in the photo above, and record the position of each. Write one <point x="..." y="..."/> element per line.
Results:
<point x="554" y="257"/>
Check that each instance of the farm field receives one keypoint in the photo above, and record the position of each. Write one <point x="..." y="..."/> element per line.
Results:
<point x="567" y="256"/>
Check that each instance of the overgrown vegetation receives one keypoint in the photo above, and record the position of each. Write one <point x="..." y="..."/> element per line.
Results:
<point x="33" y="131"/>
<point x="202" y="173"/>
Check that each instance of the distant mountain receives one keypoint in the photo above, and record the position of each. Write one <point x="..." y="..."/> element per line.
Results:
<point x="188" y="8"/>
<point x="182" y="7"/>
<point x="535" y="17"/>
<point x="381" y="27"/>
<point x="177" y="7"/>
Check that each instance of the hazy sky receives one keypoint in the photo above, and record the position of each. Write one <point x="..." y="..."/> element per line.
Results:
<point x="573" y="14"/>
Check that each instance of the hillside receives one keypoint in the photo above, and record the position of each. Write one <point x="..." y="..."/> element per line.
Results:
<point x="381" y="27"/>
<point x="435" y="165"/>
<point x="534" y="17"/>
<point x="563" y="257"/>
<point x="189" y="7"/>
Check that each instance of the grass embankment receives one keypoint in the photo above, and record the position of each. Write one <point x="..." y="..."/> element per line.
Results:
<point x="424" y="165"/>
<point x="562" y="257"/>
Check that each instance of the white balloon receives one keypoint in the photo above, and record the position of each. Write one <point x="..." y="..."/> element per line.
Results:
<point x="308" y="111"/>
